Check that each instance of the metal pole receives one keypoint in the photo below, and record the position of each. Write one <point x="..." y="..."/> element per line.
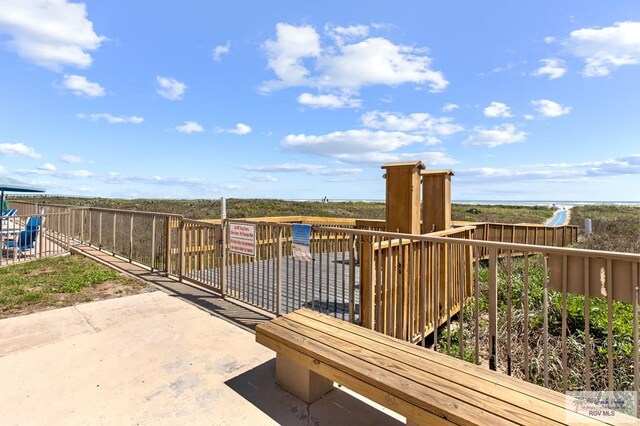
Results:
<point x="223" y="247"/>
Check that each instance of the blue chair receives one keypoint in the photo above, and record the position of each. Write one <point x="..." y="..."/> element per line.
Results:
<point x="9" y="213"/>
<point x="33" y="222"/>
<point x="27" y="238"/>
<point x="26" y="241"/>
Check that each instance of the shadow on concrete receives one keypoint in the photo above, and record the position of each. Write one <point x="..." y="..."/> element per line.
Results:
<point x="200" y="297"/>
<point x="258" y="387"/>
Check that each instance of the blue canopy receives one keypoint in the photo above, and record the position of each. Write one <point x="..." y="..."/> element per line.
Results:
<point x="8" y="184"/>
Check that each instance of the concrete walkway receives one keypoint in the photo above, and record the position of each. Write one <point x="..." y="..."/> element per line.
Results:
<point x="150" y="359"/>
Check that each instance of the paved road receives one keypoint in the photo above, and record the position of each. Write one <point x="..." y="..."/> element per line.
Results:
<point x="559" y="218"/>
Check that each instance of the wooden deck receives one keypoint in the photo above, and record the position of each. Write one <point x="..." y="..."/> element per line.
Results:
<point x="321" y="284"/>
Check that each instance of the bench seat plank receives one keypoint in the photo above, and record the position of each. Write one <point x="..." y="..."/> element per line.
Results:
<point x="422" y="382"/>
<point x="425" y="386"/>
<point x="525" y="396"/>
<point x="370" y="391"/>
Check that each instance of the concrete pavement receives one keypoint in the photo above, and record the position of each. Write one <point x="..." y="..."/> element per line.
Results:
<point x="150" y="359"/>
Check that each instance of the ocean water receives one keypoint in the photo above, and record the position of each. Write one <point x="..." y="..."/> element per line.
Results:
<point x="546" y="203"/>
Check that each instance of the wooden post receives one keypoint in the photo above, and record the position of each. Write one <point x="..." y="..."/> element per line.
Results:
<point x="493" y="309"/>
<point x="183" y="243"/>
<point x="367" y="282"/>
<point x="167" y="266"/>
<point x="131" y="238"/>
<point x="403" y="197"/>
<point x="279" y="271"/>
<point x="436" y="200"/>
<point x="153" y="243"/>
<point x="113" y="251"/>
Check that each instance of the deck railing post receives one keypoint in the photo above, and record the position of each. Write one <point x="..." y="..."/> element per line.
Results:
<point x="366" y="282"/>
<point x="223" y="258"/>
<point x="69" y="231"/>
<point x="352" y="278"/>
<point x="493" y="308"/>
<point x="278" y="272"/>
<point x="100" y="231"/>
<point x="131" y="238"/>
<point x="182" y="239"/>
<point x="153" y="243"/>
<point x="114" y="234"/>
<point x="167" y="266"/>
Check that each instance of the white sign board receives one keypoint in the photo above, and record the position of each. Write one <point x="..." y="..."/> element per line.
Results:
<point x="242" y="238"/>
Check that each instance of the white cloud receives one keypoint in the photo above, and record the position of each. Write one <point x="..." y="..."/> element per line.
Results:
<point x="170" y="88"/>
<point x="331" y="101"/>
<point x="18" y="149"/>
<point x="263" y="178"/>
<point x="529" y="117"/>
<point x="73" y="159"/>
<point x="221" y="50"/>
<point x="350" y="33"/>
<point x="240" y="129"/>
<point x="350" y="142"/>
<point x="499" y="135"/>
<point x="549" y="39"/>
<point x="450" y="107"/>
<point x="418" y="122"/>
<point x="497" y="109"/>
<point x="80" y="86"/>
<point x="377" y="61"/>
<point x="607" y="48"/>
<point x="429" y="158"/>
<point x="189" y="127"/>
<point x="311" y="169"/>
<point x="627" y="165"/>
<point x="553" y="68"/>
<point x="49" y="167"/>
<point x="547" y="108"/>
<point x="122" y="179"/>
<point x="110" y="118"/>
<point x="557" y="172"/>
<point x="342" y="66"/>
<point x="50" y="33"/>
<point x="292" y="45"/>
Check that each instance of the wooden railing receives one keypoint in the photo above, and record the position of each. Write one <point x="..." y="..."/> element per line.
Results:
<point x="559" y="317"/>
<point x="392" y="272"/>
<point x="556" y="236"/>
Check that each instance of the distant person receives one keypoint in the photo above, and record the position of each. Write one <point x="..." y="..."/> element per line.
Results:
<point x="5" y="205"/>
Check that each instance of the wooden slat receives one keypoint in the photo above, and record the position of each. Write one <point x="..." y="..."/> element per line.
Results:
<point x="526" y="405"/>
<point x="358" y="371"/>
<point x="372" y="392"/>
<point x="447" y="384"/>
<point x="414" y="354"/>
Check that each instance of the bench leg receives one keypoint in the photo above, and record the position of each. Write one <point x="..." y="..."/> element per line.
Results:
<point x="299" y="380"/>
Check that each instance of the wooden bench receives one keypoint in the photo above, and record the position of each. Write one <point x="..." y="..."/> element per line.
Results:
<point x="314" y="350"/>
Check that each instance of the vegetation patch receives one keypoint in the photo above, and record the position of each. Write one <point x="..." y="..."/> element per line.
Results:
<point x="615" y="228"/>
<point x="61" y="281"/>
<point x="242" y="208"/>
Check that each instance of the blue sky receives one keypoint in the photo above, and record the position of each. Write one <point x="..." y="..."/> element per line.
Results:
<point x="300" y="100"/>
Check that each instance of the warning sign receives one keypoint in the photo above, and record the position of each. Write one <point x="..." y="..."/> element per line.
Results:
<point x="242" y="238"/>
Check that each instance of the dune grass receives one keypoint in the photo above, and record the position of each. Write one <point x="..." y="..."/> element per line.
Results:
<point x="242" y="208"/>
